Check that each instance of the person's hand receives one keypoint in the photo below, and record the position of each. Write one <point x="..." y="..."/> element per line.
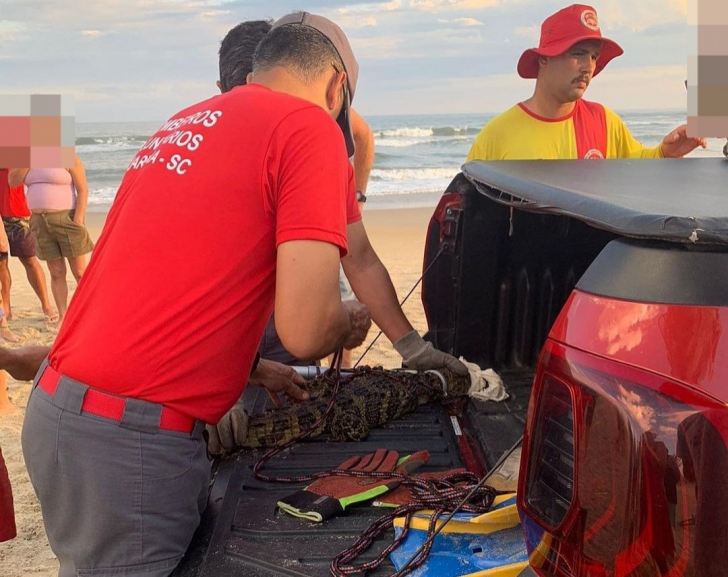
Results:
<point x="420" y="355"/>
<point x="677" y="144"/>
<point x="360" y="321"/>
<point x="230" y="432"/>
<point x="78" y="219"/>
<point x="277" y="379"/>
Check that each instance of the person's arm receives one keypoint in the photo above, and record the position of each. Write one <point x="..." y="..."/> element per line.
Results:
<point x="310" y="318"/>
<point x="23" y="363"/>
<point x="78" y="173"/>
<point x="372" y="285"/>
<point x="308" y="191"/>
<point x="363" y="153"/>
<point x="623" y="145"/>
<point x="16" y="176"/>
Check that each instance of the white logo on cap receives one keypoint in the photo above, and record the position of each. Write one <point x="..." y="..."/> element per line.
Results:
<point x="589" y="19"/>
<point x="593" y="154"/>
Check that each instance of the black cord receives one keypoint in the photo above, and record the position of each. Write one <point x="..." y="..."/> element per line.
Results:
<point x="404" y="300"/>
<point x="431" y="537"/>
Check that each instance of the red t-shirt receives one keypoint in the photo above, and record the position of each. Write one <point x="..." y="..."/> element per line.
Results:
<point x="12" y="199"/>
<point x="181" y="284"/>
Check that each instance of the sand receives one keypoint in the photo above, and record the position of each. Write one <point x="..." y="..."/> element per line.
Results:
<point x="398" y="236"/>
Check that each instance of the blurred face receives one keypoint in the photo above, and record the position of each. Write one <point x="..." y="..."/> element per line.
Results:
<point x="567" y="76"/>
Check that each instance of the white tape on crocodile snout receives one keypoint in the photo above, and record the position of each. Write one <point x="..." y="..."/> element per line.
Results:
<point x="442" y="379"/>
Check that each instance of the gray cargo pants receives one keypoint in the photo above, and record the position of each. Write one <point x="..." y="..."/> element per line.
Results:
<point x="121" y="499"/>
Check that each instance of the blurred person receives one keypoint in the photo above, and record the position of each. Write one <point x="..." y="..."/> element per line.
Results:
<point x="15" y="215"/>
<point x="57" y="198"/>
<point x="361" y="269"/>
<point x="5" y="331"/>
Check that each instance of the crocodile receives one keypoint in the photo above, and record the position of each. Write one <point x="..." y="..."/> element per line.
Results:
<point x="368" y="397"/>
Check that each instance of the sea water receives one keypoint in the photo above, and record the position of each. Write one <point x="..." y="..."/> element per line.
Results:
<point x="416" y="156"/>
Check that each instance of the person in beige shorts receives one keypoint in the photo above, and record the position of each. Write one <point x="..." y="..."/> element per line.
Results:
<point x="58" y="235"/>
<point x="57" y="198"/>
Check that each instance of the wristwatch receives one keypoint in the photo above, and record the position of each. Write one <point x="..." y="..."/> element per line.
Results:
<point x="360" y="196"/>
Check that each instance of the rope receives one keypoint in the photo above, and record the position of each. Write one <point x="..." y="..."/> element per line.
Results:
<point x="404" y="300"/>
<point x="456" y="492"/>
<point x="432" y="534"/>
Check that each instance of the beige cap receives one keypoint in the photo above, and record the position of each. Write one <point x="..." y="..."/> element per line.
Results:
<point x="338" y="39"/>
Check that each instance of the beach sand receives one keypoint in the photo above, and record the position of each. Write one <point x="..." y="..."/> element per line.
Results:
<point x="397" y="235"/>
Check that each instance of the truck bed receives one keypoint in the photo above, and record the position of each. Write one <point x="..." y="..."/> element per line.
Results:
<point x="243" y="534"/>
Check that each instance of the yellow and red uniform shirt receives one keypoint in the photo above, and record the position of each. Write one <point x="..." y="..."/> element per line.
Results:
<point x="590" y="131"/>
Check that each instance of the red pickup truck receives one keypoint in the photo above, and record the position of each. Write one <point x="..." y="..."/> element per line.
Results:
<point x="598" y="291"/>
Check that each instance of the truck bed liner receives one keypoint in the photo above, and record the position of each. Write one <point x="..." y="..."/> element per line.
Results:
<point x="243" y="534"/>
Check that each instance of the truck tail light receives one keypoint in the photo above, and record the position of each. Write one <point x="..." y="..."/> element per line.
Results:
<point x="623" y="472"/>
<point x="551" y="485"/>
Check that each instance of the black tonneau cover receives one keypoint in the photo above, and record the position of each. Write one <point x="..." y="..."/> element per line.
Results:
<point x="678" y="200"/>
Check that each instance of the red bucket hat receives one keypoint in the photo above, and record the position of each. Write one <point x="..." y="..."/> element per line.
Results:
<point x="561" y="31"/>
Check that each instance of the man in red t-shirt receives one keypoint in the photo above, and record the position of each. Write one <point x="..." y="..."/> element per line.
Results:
<point x="15" y="214"/>
<point x="163" y="326"/>
<point x="235" y="64"/>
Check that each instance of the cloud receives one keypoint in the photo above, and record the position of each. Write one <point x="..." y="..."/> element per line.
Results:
<point x="450" y="5"/>
<point x="531" y="33"/>
<point x="152" y="58"/>
<point x="214" y="13"/>
<point x="379" y="47"/>
<point x="641" y="15"/>
<point x="390" y="6"/>
<point x="351" y="22"/>
<point x="469" y="22"/>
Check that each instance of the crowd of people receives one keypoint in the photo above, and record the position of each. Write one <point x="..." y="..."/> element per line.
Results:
<point x="142" y="381"/>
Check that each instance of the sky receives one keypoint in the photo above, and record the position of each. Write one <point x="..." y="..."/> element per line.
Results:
<point x="129" y="60"/>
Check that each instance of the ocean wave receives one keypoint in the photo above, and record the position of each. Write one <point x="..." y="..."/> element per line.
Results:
<point x="411" y="174"/>
<point x="121" y="140"/>
<point x="102" y="196"/>
<point x="126" y="150"/>
<point x="657" y="122"/>
<point x="379" y="189"/>
<point x="407" y="142"/>
<point x="400" y="142"/>
<point x="452" y="131"/>
<point x="406" y="132"/>
<point x="417" y="132"/>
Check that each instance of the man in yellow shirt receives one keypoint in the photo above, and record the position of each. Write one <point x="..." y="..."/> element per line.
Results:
<point x="556" y="123"/>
